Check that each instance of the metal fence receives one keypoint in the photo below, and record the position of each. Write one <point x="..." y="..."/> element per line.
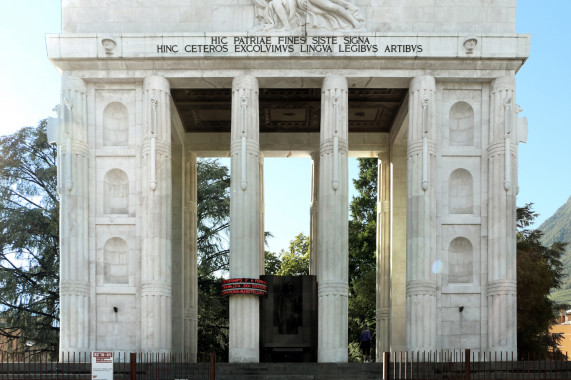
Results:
<point x="72" y="366"/>
<point x="466" y="365"/>
<point x="449" y="365"/>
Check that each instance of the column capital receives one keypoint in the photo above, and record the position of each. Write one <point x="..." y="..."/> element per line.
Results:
<point x="69" y="82"/>
<point x="503" y="83"/>
<point x="247" y="82"/>
<point x="334" y="82"/>
<point x="422" y="82"/>
<point x="156" y="82"/>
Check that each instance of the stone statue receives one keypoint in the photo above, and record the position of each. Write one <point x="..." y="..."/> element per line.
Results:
<point x="287" y="15"/>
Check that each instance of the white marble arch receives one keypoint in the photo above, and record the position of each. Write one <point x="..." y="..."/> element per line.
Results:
<point x="116" y="261"/>
<point x="461" y="124"/>
<point x="460" y="261"/>
<point x="116" y="192"/>
<point x="461" y="192"/>
<point x="115" y="125"/>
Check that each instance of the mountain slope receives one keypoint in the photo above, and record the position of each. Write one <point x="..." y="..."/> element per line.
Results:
<point x="558" y="228"/>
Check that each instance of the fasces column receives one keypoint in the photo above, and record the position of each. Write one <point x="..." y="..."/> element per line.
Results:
<point x="73" y="170"/>
<point x="156" y="221"/>
<point x="244" y="218"/>
<point x="332" y="266"/>
<point x="421" y="218"/>
<point x="190" y="274"/>
<point x="314" y="214"/>
<point x="383" y="255"/>
<point x="502" y="170"/>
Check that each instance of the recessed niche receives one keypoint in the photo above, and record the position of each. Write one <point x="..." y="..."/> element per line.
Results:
<point x="116" y="261"/>
<point x="116" y="192"/>
<point x="461" y="126"/>
<point x="460" y="262"/>
<point x="115" y="125"/>
<point x="460" y="192"/>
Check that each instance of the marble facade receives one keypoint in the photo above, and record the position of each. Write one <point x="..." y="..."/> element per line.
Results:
<point x="447" y="164"/>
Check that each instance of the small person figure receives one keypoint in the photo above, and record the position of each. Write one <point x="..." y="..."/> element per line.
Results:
<point x="365" y="345"/>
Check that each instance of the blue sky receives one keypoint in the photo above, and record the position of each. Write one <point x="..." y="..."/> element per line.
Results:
<point x="29" y="89"/>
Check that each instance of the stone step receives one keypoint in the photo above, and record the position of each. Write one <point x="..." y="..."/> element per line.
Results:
<point x="299" y="371"/>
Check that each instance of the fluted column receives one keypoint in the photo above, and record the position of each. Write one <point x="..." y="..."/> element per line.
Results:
<point x="314" y="214"/>
<point x="384" y="228"/>
<point x="332" y="266"/>
<point x="502" y="169"/>
<point x="156" y="220"/>
<point x="190" y="271"/>
<point x="73" y="187"/>
<point x="421" y="217"/>
<point x="244" y="218"/>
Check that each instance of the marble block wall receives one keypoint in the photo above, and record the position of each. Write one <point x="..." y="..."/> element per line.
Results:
<point x="461" y="196"/>
<point x="162" y="16"/>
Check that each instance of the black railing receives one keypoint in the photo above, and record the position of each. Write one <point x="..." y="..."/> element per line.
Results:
<point x="77" y="366"/>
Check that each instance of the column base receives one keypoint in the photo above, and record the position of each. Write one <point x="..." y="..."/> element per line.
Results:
<point x="332" y="355"/>
<point x="244" y="355"/>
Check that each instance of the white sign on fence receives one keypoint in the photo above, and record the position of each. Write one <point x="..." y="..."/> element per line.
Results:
<point x="102" y="365"/>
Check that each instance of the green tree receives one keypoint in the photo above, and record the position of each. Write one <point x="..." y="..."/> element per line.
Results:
<point x="29" y="240"/>
<point x="295" y="262"/>
<point x="362" y="261"/>
<point x="213" y="216"/>
<point x="272" y="262"/>
<point x="539" y="272"/>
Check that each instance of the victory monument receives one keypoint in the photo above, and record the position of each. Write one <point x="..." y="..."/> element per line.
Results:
<point x="427" y="87"/>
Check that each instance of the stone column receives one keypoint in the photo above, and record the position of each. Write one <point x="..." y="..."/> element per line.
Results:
<point x="314" y="214"/>
<point x="73" y="187"/>
<point x="421" y="217"/>
<point x="384" y="229"/>
<point x="244" y="218"/>
<point x="190" y="271"/>
<point x="332" y="270"/>
<point x="502" y="168"/>
<point x="156" y="220"/>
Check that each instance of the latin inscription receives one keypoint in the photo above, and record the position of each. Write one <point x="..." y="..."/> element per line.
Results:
<point x="288" y="45"/>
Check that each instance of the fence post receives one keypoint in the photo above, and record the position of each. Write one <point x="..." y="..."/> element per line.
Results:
<point x="212" y="369"/>
<point x="133" y="366"/>
<point x="386" y="365"/>
<point x="467" y="369"/>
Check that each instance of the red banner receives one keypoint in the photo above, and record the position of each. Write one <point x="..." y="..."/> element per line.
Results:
<point x="252" y="286"/>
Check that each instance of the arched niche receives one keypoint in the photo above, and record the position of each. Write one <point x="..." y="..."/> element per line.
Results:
<point x="115" y="125"/>
<point x="460" y="192"/>
<point x="116" y="261"/>
<point x="116" y="192"/>
<point x="461" y="128"/>
<point x="460" y="262"/>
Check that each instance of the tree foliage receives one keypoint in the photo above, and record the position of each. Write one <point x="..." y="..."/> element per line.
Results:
<point x="295" y="262"/>
<point x="213" y="217"/>
<point x="29" y="240"/>
<point x="539" y="271"/>
<point x="362" y="248"/>
<point x="213" y="214"/>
